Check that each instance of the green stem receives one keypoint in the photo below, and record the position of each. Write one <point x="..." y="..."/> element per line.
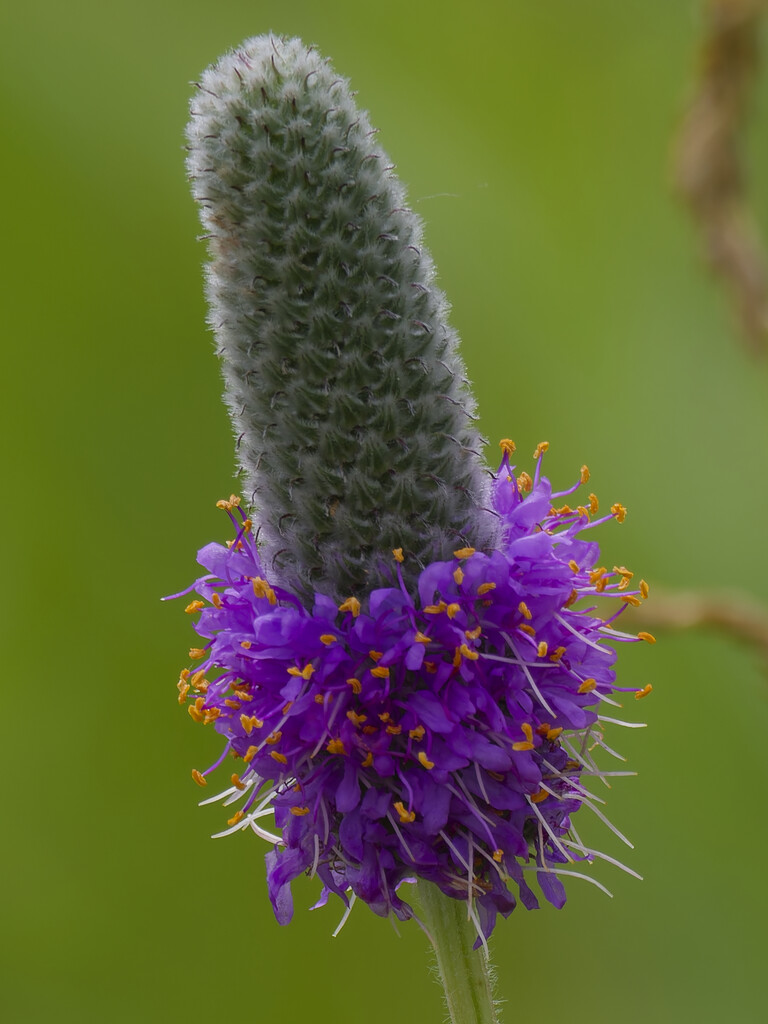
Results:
<point x="464" y="972"/>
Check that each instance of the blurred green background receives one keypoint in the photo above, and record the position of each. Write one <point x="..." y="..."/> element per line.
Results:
<point x="534" y="139"/>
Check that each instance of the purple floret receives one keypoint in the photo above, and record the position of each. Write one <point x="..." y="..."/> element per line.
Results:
<point x="441" y="735"/>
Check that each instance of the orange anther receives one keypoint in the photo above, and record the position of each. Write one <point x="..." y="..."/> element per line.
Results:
<point x="237" y="816"/>
<point x="194" y="606"/>
<point x="464" y="553"/>
<point x="507" y="446"/>
<point x="485" y="588"/>
<point x="524" y="482"/>
<point x="368" y="760"/>
<point x="541" y="650"/>
<point x="539" y="796"/>
<point x="277" y="756"/>
<point x="584" y="474"/>
<point x="350" y="605"/>
<point x="327" y="638"/>
<point x="405" y="816"/>
<point x="644" y="589"/>
<point x="453" y="610"/>
<point x="587" y="686"/>
<point x="235" y="780"/>
<point x="196" y="653"/>
<point x="424" y="760"/>
<point x="336" y="747"/>
<point x="648" y="637"/>
<point x="299" y="812"/>
<point x="619" y="512"/>
<point x="497" y="855"/>
<point x="398" y="553"/>
<point x="199" y="778"/>
<point x="381" y="672"/>
<point x="524" y="610"/>
<point x="541" y="447"/>
<point x="355" y="684"/>
<point x="594" y="504"/>
<point x="417" y="733"/>
<point x="644" y="692"/>
<point x="458" y="576"/>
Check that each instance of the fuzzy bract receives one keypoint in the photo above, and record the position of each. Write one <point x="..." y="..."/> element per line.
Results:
<point x="440" y="732"/>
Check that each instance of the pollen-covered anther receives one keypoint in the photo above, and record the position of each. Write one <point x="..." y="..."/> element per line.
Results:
<point x="524" y="610"/>
<point x="235" y="780"/>
<point x="273" y="738"/>
<point x="587" y="686"/>
<point x="573" y="566"/>
<point x="557" y="654"/>
<point x="381" y="672"/>
<point x="541" y="447"/>
<point x="394" y="730"/>
<point x="236" y="817"/>
<point x="355" y="684"/>
<point x="485" y="588"/>
<point x="398" y="554"/>
<point x="421" y="638"/>
<point x="211" y="714"/>
<point x="619" y="512"/>
<point x="375" y="655"/>
<point x="246" y="644"/>
<point x="233" y="502"/>
<point x="473" y="634"/>
<point x="525" y="628"/>
<point x="262" y="589"/>
<point x="328" y="639"/>
<point x="417" y="733"/>
<point x="424" y="760"/>
<point x="648" y="637"/>
<point x="524" y="482"/>
<point x="468" y="653"/>
<point x="199" y="778"/>
<point x="277" y="756"/>
<point x="464" y="553"/>
<point x="458" y="576"/>
<point x="368" y="760"/>
<point x="644" y="589"/>
<point x="435" y="609"/>
<point x="336" y="747"/>
<point x="250" y="753"/>
<point x="630" y="599"/>
<point x="195" y="714"/>
<point x="405" y="816"/>
<point x="250" y="722"/>
<point x="528" y="733"/>
<point x="299" y="812"/>
<point x="194" y="606"/>
<point x="498" y="855"/>
<point x="305" y="672"/>
<point x="199" y="682"/>
<point x="584" y="475"/>
<point x="541" y="650"/>
<point x="639" y="694"/>
<point x="216" y="600"/>
<point x="183" y="687"/>
<point x="507" y="446"/>
<point x="594" y="504"/>
<point x="539" y="796"/>
<point x="453" y="610"/>
<point x="196" y="653"/>
<point x="350" y="605"/>
<point x="356" y="719"/>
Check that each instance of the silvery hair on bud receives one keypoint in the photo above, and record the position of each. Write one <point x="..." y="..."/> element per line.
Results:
<point x="353" y="418"/>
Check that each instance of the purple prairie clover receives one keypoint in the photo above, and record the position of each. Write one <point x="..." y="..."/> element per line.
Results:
<point x="441" y="731"/>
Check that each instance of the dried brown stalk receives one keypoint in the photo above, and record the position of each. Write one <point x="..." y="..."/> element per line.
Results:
<point x="725" y="611"/>
<point x="709" y="168"/>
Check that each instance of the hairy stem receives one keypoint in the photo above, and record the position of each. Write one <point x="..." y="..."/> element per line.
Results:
<point x="465" y="972"/>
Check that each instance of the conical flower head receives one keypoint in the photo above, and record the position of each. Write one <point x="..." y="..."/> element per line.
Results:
<point x="351" y="412"/>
